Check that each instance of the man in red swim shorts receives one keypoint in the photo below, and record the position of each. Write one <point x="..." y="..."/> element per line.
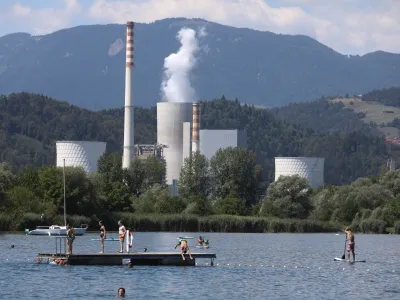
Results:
<point x="350" y="244"/>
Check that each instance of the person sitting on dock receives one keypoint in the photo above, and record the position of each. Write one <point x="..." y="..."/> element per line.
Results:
<point x="70" y="237"/>
<point x="103" y="235"/>
<point x="200" y="241"/>
<point x="184" y="248"/>
<point x="122" y="233"/>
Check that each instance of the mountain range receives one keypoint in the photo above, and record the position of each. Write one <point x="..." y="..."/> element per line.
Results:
<point x="85" y="65"/>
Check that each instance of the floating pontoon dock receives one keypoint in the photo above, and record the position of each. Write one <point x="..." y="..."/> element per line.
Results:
<point x="117" y="259"/>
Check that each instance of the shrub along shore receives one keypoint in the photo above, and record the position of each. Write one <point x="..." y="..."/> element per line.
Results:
<point x="188" y="223"/>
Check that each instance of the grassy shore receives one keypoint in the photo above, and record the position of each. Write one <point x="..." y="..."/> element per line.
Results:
<point x="190" y="223"/>
<point x="174" y="223"/>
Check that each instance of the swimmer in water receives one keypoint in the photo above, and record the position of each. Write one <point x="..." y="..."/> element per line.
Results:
<point x="184" y="248"/>
<point x="200" y="241"/>
<point x="121" y="292"/>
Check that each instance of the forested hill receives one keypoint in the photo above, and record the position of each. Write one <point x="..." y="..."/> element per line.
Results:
<point x="324" y="116"/>
<point x="256" y="67"/>
<point x="30" y="125"/>
<point x="390" y="97"/>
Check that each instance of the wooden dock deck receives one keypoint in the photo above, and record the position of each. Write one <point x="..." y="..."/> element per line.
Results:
<point x="116" y="259"/>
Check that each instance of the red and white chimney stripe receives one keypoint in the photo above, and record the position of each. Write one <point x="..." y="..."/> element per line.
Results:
<point x="129" y="44"/>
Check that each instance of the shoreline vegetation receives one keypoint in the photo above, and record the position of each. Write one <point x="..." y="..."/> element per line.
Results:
<point x="223" y="194"/>
<point x="192" y="223"/>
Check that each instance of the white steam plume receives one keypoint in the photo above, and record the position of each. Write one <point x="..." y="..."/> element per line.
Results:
<point x="176" y="86"/>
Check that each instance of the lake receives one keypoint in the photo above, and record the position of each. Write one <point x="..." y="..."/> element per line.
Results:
<point x="248" y="266"/>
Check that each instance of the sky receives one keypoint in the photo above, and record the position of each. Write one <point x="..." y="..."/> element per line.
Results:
<point x="347" y="26"/>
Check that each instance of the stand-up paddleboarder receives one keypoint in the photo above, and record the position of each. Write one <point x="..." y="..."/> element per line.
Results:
<point x="350" y="244"/>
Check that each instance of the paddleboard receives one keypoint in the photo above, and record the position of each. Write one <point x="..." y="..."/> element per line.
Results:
<point x="107" y="240"/>
<point x="340" y="259"/>
<point x="184" y="237"/>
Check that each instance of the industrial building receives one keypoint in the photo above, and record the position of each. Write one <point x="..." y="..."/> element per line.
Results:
<point x="129" y="147"/>
<point x="171" y="117"/>
<point x="83" y="154"/>
<point x="310" y="168"/>
<point x="144" y="151"/>
<point x="213" y="140"/>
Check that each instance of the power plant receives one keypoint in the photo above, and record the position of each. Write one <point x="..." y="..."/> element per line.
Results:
<point x="82" y="154"/>
<point x="196" y="127"/>
<point x="129" y="147"/>
<point x="170" y="131"/>
<point x="310" y="168"/>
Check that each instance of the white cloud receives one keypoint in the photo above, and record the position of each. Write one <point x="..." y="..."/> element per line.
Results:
<point x="44" y="20"/>
<point x="348" y="26"/>
<point x="21" y="10"/>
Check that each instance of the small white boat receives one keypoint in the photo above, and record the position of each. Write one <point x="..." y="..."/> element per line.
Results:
<point x="56" y="230"/>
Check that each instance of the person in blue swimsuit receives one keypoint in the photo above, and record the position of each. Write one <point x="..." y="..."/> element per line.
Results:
<point x="70" y="238"/>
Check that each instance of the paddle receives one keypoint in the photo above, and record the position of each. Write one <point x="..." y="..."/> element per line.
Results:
<point x="344" y="252"/>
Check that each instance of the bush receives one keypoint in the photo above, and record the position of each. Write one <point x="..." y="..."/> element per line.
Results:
<point x="231" y="206"/>
<point x="6" y="222"/>
<point x="372" y="226"/>
<point x="29" y="220"/>
<point x="170" y="205"/>
<point x="397" y="227"/>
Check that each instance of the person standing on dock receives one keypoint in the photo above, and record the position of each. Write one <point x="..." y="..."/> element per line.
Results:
<point x="70" y="238"/>
<point x="122" y="233"/>
<point x="184" y="248"/>
<point x="103" y="235"/>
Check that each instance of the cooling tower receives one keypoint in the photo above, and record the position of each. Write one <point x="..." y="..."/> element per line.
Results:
<point x="310" y="168"/>
<point x="129" y="148"/>
<point x="170" y="119"/>
<point x="80" y="154"/>
<point x="196" y="128"/>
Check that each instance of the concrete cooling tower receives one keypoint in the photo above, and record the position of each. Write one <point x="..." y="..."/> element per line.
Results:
<point x="310" y="168"/>
<point x="80" y="154"/>
<point x="170" y="119"/>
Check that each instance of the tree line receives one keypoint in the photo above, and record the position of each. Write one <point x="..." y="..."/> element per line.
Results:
<point x="226" y="193"/>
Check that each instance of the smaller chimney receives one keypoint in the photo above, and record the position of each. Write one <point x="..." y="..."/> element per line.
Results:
<point x="196" y="128"/>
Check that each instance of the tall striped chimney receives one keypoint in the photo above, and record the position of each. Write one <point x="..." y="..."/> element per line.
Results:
<point x="196" y="128"/>
<point x="128" y="120"/>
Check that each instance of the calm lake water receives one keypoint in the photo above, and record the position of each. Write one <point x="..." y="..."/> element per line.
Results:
<point x="317" y="276"/>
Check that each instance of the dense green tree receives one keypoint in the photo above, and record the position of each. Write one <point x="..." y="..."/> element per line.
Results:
<point x="6" y="182"/>
<point x="288" y="197"/>
<point x="231" y="205"/>
<point x="235" y="170"/>
<point x="154" y="172"/>
<point x="194" y="178"/>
